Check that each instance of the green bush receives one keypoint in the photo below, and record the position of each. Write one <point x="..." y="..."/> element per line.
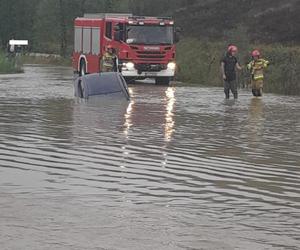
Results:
<point x="9" y="65"/>
<point x="283" y="75"/>
<point x="199" y="63"/>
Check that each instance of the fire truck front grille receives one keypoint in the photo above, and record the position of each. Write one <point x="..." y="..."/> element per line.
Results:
<point x="151" y="54"/>
<point x="151" y="57"/>
<point x="150" y="67"/>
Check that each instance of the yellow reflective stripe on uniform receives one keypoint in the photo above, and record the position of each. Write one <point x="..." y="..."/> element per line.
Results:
<point x="108" y="64"/>
<point x="257" y="68"/>
<point x="258" y="77"/>
<point x="262" y="63"/>
<point x="266" y="63"/>
<point x="250" y="65"/>
<point x="258" y="64"/>
<point x="108" y="60"/>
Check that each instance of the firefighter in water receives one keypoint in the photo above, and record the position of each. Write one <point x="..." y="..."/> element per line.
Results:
<point x="229" y="65"/>
<point x="109" y="60"/>
<point x="256" y="67"/>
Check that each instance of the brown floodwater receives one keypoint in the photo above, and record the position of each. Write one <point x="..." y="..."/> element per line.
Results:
<point x="174" y="168"/>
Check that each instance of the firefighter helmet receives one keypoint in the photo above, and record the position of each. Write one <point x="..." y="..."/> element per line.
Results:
<point x="255" y="53"/>
<point x="232" y="48"/>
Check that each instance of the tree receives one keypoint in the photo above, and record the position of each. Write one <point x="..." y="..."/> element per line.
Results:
<point x="16" y="19"/>
<point x="63" y="28"/>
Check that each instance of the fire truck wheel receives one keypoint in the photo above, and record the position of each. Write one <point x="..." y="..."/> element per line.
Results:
<point x="82" y="70"/>
<point x="162" y="81"/>
<point x="80" y="90"/>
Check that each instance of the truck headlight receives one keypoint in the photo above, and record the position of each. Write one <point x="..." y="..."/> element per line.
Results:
<point x="130" y="66"/>
<point x="172" y="66"/>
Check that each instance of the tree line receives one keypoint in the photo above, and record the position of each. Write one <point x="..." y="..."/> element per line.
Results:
<point x="48" y="24"/>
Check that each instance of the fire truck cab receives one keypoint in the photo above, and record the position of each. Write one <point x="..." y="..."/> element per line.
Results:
<point x="144" y="46"/>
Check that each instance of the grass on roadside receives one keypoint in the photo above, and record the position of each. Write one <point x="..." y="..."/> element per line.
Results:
<point x="9" y="65"/>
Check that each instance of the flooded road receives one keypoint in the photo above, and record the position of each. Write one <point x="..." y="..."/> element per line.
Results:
<point x="176" y="168"/>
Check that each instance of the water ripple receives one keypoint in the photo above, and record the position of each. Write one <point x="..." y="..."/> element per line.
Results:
<point x="179" y="160"/>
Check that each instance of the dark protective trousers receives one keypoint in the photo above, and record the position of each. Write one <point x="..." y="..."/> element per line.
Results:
<point x="257" y="87"/>
<point x="230" y="86"/>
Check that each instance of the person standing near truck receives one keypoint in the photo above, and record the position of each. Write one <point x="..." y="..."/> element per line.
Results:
<point x="109" y="60"/>
<point x="229" y="65"/>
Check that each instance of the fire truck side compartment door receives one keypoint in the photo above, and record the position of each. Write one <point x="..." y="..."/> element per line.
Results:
<point x="96" y="41"/>
<point x="78" y="39"/>
<point x="86" y="40"/>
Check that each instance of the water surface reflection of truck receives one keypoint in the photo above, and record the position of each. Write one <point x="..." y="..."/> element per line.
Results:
<point x="144" y="46"/>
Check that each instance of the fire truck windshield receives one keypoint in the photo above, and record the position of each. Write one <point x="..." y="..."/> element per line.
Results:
<point x="150" y="35"/>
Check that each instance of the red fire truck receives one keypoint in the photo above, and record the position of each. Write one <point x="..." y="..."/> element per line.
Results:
<point x="144" y="46"/>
